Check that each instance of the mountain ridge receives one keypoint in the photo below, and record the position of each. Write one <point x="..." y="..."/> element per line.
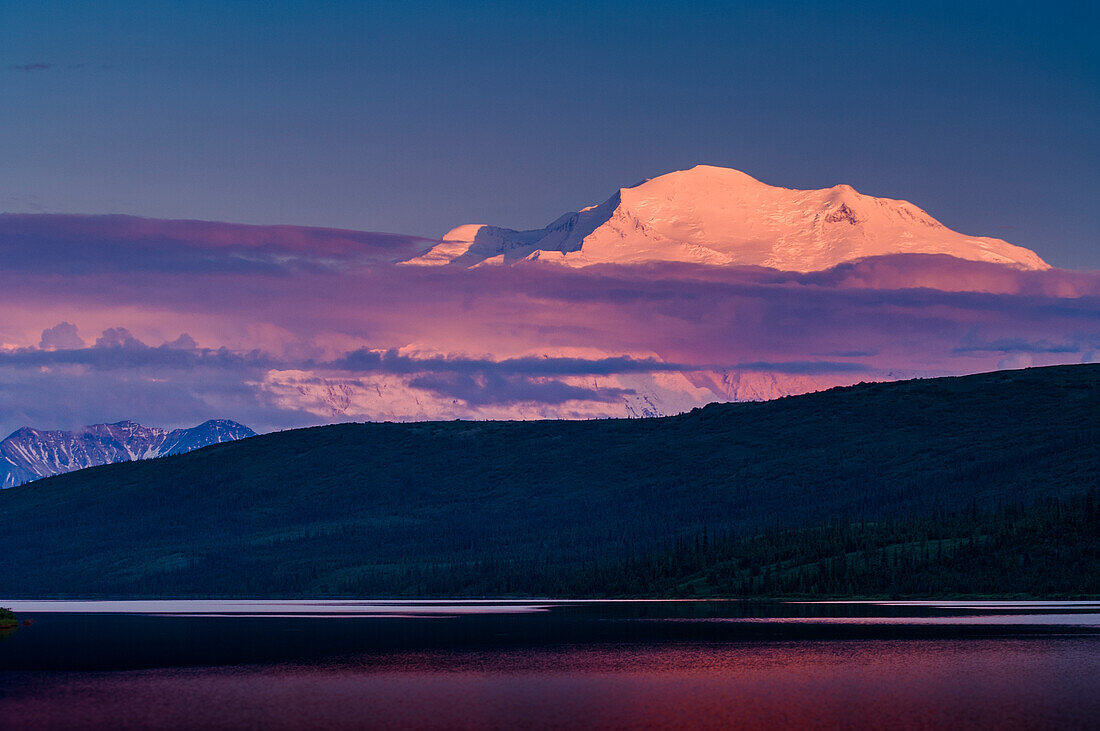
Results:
<point x="723" y="217"/>
<point x="29" y="454"/>
<point x="485" y="508"/>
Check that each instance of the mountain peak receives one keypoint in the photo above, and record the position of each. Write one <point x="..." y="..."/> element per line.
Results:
<point x="706" y="174"/>
<point x="724" y="217"/>
<point x="29" y="454"/>
<point x="124" y="424"/>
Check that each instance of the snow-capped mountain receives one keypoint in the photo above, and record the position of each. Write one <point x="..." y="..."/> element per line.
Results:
<point x="723" y="217"/>
<point x="29" y="454"/>
<point x="390" y="397"/>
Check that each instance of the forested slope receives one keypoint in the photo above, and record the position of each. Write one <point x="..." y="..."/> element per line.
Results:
<point x="536" y="507"/>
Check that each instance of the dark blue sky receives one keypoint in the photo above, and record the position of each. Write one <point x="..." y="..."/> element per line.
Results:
<point x="414" y="117"/>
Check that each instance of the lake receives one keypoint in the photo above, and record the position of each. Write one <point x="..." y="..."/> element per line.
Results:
<point x="548" y="664"/>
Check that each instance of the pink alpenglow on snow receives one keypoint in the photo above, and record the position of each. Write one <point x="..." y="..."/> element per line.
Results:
<point x="699" y="286"/>
<point x="722" y="217"/>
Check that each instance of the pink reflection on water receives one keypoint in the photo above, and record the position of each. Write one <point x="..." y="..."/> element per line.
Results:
<point x="854" y="684"/>
<point x="1066" y="620"/>
<point x="277" y="608"/>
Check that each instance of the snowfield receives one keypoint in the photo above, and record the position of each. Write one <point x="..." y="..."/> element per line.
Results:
<point x="723" y="217"/>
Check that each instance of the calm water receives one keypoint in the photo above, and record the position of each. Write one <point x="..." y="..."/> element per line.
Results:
<point x="339" y="664"/>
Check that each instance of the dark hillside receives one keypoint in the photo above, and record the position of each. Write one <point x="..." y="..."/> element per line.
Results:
<point x="415" y="508"/>
<point x="1050" y="548"/>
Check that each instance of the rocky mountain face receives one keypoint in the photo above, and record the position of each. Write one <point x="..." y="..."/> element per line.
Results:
<point x="722" y="217"/>
<point x="30" y="454"/>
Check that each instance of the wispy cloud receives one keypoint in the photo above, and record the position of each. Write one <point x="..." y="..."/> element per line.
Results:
<point x="47" y="66"/>
<point x="30" y="67"/>
<point x="390" y="361"/>
<point x="496" y="388"/>
<point x="1021" y="345"/>
<point x="82" y="245"/>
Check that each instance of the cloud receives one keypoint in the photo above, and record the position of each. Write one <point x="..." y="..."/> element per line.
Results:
<point x="44" y="66"/>
<point x="183" y="342"/>
<point x="390" y="361"/>
<point x="64" y="399"/>
<point x="119" y="337"/>
<point x="808" y="367"/>
<point x="1020" y="345"/>
<point x="118" y="349"/>
<point x="495" y="388"/>
<point x="80" y="245"/>
<point x="521" y="341"/>
<point x="847" y="353"/>
<point x="62" y="336"/>
<point x="1015" y="361"/>
<point x="365" y="360"/>
<point x="29" y="67"/>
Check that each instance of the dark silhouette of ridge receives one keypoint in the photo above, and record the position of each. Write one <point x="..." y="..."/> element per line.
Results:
<point x="598" y="507"/>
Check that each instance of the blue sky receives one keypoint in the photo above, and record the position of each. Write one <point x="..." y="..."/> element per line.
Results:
<point x="414" y="117"/>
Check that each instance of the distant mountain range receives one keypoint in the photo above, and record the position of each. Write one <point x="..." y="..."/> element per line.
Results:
<point x="718" y="216"/>
<point x="693" y="286"/>
<point x="925" y="486"/>
<point x="31" y="454"/>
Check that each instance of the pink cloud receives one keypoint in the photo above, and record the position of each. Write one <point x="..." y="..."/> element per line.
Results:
<point x="884" y="317"/>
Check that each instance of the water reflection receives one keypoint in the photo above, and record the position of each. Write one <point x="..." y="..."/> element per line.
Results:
<point x="552" y="664"/>
<point x="402" y="608"/>
<point x="897" y="684"/>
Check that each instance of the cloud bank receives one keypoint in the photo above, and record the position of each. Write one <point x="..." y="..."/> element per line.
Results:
<point x="283" y="326"/>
